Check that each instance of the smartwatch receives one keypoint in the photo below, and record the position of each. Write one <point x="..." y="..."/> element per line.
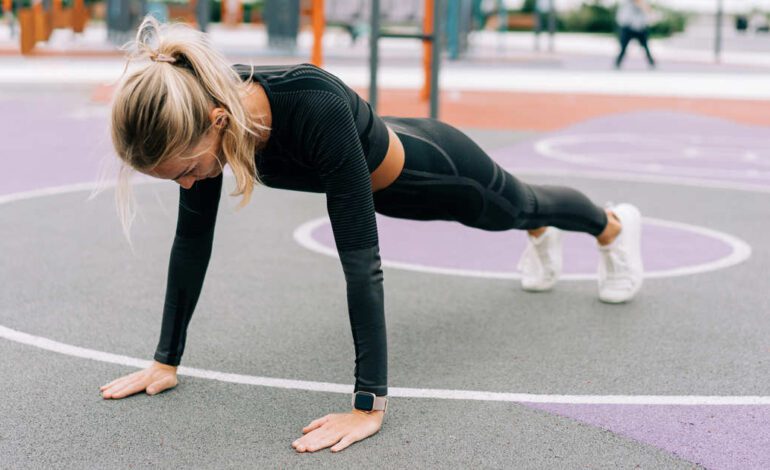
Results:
<point x="367" y="401"/>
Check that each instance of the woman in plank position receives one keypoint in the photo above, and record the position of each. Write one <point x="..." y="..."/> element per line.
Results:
<point x="188" y="113"/>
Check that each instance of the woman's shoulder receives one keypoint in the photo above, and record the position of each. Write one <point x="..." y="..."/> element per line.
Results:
<point x="250" y="71"/>
<point x="294" y="78"/>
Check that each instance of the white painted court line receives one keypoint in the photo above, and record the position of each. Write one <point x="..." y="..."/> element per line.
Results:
<point x="644" y="178"/>
<point x="674" y="147"/>
<point x="740" y="251"/>
<point x="85" y="353"/>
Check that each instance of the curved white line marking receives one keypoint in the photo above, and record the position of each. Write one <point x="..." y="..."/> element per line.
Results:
<point x="85" y="353"/>
<point x="643" y="178"/>
<point x="55" y="346"/>
<point x="550" y="148"/>
<point x="740" y="251"/>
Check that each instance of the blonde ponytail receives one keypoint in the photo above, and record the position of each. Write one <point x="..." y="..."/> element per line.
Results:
<point x="162" y="109"/>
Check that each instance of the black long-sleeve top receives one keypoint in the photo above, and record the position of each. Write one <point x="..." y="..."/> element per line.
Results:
<point x="324" y="138"/>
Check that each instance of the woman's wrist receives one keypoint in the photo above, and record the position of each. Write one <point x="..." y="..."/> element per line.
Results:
<point x="160" y="365"/>
<point x="371" y="414"/>
<point x="368" y="402"/>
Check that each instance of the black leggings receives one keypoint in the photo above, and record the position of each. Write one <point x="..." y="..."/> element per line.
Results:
<point x="626" y="35"/>
<point x="447" y="176"/>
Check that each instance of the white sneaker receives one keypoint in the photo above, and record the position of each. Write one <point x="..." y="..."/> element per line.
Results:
<point x="541" y="262"/>
<point x="620" y="269"/>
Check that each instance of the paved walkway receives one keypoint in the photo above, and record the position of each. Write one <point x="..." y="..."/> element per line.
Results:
<point x="580" y="72"/>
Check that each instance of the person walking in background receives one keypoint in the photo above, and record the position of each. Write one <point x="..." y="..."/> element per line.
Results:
<point x="545" y="20"/>
<point x="632" y="20"/>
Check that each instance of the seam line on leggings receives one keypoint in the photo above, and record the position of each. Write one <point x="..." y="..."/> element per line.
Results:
<point x="502" y="179"/>
<point x="441" y="151"/>
<point x="495" y="171"/>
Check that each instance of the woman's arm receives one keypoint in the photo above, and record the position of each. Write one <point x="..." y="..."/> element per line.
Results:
<point x="337" y="153"/>
<point x="347" y="182"/>
<point x="190" y="254"/>
<point x="189" y="258"/>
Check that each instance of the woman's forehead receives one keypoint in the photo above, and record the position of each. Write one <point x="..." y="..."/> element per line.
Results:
<point x="169" y="168"/>
<point x="178" y="161"/>
<point x="192" y="152"/>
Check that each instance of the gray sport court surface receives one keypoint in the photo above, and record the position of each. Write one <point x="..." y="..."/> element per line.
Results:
<point x="273" y="308"/>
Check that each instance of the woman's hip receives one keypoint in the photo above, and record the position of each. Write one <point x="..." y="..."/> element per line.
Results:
<point x="446" y="176"/>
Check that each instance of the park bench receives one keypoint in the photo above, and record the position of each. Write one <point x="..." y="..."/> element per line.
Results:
<point x="36" y="22"/>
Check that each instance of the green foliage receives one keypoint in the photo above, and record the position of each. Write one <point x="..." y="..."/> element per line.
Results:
<point x="215" y="10"/>
<point x="589" y="18"/>
<point x="249" y="6"/>
<point x="528" y="7"/>
<point x="671" y="22"/>
<point x="594" y="17"/>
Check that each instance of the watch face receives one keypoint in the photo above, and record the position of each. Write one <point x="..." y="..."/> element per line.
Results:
<point x="364" y="401"/>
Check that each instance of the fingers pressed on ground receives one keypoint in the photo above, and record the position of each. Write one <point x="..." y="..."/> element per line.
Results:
<point x="321" y="420"/>
<point x="160" y="385"/>
<point x="312" y="441"/>
<point x="343" y="443"/>
<point x="112" y="390"/>
<point x="325" y="440"/>
<point x="117" y="382"/>
<point x="315" y="424"/>
<point x="130" y="389"/>
<point x="106" y="386"/>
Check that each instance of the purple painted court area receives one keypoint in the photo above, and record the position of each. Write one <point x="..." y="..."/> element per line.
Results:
<point x="651" y="143"/>
<point x="448" y="245"/>
<point x="52" y="140"/>
<point x="717" y="437"/>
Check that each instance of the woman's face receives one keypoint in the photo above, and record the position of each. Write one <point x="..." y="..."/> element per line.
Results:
<point x="204" y="160"/>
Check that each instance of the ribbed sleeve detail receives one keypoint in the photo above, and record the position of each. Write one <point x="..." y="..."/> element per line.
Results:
<point x="330" y="143"/>
<point x="188" y="262"/>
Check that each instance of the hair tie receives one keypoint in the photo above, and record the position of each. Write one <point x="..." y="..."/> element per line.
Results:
<point x="163" y="58"/>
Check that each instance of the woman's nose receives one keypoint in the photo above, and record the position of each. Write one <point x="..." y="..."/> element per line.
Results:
<point x="186" y="181"/>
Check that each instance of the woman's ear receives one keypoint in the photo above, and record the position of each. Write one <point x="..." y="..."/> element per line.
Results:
<point x="218" y="118"/>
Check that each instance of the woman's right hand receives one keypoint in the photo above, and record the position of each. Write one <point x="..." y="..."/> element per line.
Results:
<point x="154" y="379"/>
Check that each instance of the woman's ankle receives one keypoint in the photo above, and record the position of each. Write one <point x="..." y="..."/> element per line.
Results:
<point x="537" y="232"/>
<point x="611" y="231"/>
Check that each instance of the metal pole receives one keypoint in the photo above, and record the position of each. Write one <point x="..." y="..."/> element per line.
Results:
<point x="453" y="29"/>
<point x="502" y="16"/>
<point x="14" y="16"/>
<point x="435" y="58"/>
<point x="203" y="14"/>
<point x="374" y="53"/>
<point x="718" y="37"/>
<point x="466" y="22"/>
<point x="551" y="24"/>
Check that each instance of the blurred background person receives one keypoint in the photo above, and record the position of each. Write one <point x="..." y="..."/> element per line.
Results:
<point x="545" y="20"/>
<point x="632" y="19"/>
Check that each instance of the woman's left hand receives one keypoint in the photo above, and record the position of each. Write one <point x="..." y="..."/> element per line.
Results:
<point x="338" y="430"/>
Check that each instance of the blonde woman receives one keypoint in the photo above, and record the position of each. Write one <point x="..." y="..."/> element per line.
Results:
<point x="187" y="114"/>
